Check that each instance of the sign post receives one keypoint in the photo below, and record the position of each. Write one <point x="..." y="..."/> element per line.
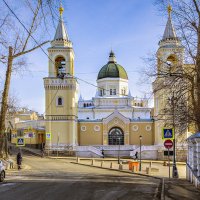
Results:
<point x="168" y="145"/>
<point x="48" y="137"/>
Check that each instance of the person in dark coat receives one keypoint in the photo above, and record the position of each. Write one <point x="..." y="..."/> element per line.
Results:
<point x="19" y="160"/>
<point x="102" y="153"/>
<point x="136" y="155"/>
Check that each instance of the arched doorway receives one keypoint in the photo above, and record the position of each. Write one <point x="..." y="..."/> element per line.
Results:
<point x="116" y="136"/>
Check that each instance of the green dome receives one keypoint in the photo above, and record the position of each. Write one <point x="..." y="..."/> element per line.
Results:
<point x="112" y="69"/>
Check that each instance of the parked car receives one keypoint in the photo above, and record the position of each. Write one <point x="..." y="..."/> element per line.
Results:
<point x="2" y="172"/>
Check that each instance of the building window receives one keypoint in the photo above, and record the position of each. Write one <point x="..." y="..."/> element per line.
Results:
<point x="123" y="92"/>
<point x="110" y="91"/>
<point x="102" y="92"/>
<point x="114" y="91"/>
<point x="20" y="133"/>
<point x="60" y="101"/>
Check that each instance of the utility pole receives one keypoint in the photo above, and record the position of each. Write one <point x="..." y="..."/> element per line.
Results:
<point x="119" y="152"/>
<point x="174" y="169"/>
<point x="140" y="167"/>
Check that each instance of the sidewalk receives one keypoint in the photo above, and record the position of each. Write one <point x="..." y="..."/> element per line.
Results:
<point x="180" y="189"/>
<point x="36" y="152"/>
<point x="157" y="167"/>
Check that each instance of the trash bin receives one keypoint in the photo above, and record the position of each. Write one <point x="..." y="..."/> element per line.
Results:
<point x="135" y="165"/>
<point x="130" y="166"/>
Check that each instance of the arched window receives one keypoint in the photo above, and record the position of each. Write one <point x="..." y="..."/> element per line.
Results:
<point x="59" y="101"/>
<point x="171" y="60"/>
<point x="116" y="136"/>
<point x="60" y="65"/>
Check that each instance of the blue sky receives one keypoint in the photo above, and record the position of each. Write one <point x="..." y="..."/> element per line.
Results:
<point x="132" y="28"/>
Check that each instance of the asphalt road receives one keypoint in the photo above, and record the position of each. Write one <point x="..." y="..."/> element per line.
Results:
<point x="50" y="179"/>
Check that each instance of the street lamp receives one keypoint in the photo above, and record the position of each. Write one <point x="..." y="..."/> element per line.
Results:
<point x="119" y="151"/>
<point x="140" y="167"/>
<point x="174" y="168"/>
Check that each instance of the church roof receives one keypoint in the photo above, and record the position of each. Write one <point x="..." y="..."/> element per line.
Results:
<point x="169" y="30"/>
<point x="169" y="33"/>
<point x="112" y="69"/>
<point x="61" y="32"/>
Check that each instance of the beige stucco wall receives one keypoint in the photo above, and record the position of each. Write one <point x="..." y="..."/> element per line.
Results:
<point x="147" y="136"/>
<point x="64" y="132"/>
<point x="90" y="136"/>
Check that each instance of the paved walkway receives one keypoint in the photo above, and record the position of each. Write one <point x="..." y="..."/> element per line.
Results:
<point x="180" y="189"/>
<point x="58" y="179"/>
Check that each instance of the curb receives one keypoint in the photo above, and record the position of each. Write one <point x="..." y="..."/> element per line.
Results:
<point x="163" y="190"/>
<point x="161" y="196"/>
<point x="123" y="171"/>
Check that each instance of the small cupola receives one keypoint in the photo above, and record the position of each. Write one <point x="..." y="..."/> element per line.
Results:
<point x="112" y="58"/>
<point x="112" y="69"/>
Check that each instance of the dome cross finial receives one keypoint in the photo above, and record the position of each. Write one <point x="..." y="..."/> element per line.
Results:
<point x="61" y="9"/>
<point x="169" y="9"/>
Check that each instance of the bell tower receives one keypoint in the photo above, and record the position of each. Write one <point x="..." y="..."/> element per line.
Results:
<point x="61" y="91"/>
<point x="170" y="56"/>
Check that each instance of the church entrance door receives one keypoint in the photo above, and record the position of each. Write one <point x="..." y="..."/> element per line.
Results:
<point x="116" y="137"/>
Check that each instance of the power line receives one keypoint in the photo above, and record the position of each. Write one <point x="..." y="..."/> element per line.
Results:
<point x="53" y="61"/>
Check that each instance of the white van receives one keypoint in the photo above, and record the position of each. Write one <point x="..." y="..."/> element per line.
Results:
<point x="2" y="172"/>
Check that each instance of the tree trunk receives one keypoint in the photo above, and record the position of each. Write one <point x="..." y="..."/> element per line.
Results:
<point x="198" y="81"/>
<point x="4" y="104"/>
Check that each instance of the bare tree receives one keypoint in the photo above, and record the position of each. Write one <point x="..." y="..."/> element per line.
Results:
<point x="180" y="79"/>
<point x="19" y="37"/>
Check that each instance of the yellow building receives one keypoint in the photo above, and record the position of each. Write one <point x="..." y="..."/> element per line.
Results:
<point x="30" y="125"/>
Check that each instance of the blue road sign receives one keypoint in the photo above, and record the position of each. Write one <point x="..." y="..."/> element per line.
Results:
<point x="20" y="141"/>
<point x="168" y="133"/>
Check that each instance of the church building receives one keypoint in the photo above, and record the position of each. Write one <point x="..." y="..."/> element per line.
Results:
<point x="113" y="120"/>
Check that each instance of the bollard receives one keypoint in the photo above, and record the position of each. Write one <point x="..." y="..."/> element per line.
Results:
<point x="102" y="162"/>
<point x="147" y="170"/>
<point x="93" y="162"/>
<point x="78" y="160"/>
<point x="120" y="166"/>
<point x="111" y="165"/>
<point x="150" y="165"/>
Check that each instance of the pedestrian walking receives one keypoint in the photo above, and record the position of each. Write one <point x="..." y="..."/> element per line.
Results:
<point x="42" y="152"/>
<point x="136" y="155"/>
<point x="102" y="153"/>
<point x="19" y="160"/>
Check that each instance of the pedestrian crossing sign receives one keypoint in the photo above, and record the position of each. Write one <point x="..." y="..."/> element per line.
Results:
<point x="20" y="142"/>
<point x="48" y="136"/>
<point x="168" y="133"/>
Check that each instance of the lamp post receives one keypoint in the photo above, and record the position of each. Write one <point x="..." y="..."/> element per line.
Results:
<point x="140" y="167"/>
<point x="174" y="168"/>
<point x="119" y="151"/>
